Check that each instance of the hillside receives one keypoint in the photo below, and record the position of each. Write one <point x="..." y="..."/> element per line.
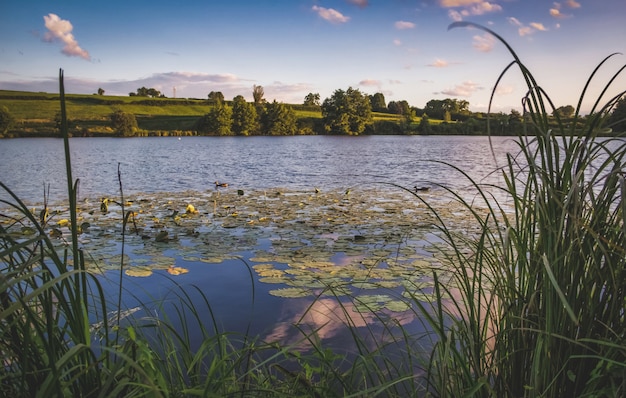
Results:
<point x="89" y="115"/>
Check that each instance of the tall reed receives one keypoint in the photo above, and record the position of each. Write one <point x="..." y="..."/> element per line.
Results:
<point x="47" y="298"/>
<point x="541" y="295"/>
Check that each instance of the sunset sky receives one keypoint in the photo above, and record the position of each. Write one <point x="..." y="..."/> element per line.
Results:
<point x="401" y="48"/>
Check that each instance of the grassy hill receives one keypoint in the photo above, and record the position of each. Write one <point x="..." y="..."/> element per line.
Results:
<point x="89" y="114"/>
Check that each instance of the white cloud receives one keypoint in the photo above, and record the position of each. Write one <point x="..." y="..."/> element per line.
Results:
<point x="330" y="15"/>
<point x="397" y="42"/>
<point x="464" y="89"/>
<point x="439" y="63"/>
<point x="455" y="15"/>
<point x="484" y="42"/>
<point x="555" y="11"/>
<point x="61" y="30"/>
<point x="369" y="83"/>
<point x="469" y="8"/>
<point x="484" y="8"/>
<point x="457" y="3"/>
<point x="524" y="30"/>
<point x="404" y="25"/>
<point x="538" y="26"/>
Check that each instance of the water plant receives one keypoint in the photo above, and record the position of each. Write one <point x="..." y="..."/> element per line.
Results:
<point x="539" y="300"/>
<point x="529" y="304"/>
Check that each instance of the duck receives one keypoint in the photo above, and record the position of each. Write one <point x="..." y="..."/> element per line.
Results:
<point x="221" y="184"/>
<point x="420" y="189"/>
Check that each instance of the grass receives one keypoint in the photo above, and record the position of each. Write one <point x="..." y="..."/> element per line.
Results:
<point x="535" y="306"/>
<point x="36" y="112"/>
<point x="541" y="297"/>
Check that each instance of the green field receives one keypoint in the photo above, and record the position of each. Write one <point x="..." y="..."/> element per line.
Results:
<point x="35" y="112"/>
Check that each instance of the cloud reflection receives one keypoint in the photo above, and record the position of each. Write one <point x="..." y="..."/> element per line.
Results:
<point x="327" y="318"/>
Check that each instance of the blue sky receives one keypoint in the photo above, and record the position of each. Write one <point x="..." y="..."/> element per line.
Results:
<point x="401" y="48"/>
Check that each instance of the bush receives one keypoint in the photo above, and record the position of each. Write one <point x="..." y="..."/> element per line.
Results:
<point x="6" y="120"/>
<point x="125" y="124"/>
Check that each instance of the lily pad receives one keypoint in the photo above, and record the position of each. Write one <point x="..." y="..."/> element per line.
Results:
<point x="138" y="271"/>
<point x="291" y="292"/>
<point x="177" y="270"/>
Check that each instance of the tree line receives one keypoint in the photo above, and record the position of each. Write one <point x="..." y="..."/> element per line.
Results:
<point x="345" y="112"/>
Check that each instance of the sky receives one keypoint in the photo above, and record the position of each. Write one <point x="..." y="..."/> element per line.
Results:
<point x="401" y="48"/>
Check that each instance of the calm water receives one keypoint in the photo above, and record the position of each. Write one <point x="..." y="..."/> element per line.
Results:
<point x="194" y="163"/>
<point x="250" y="163"/>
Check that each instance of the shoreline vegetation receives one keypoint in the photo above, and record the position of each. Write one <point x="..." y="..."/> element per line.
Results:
<point x="529" y="302"/>
<point x="32" y="114"/>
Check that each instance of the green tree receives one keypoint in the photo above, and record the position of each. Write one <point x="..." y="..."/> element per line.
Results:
<point x="257" y="94"/>
<point x="312" y="99"/>
<point x="147" y="92"/>
<point x="617" y="120"/>
<point x="244" y="117"/>
<point x="152" y="92"/>
<point x="101" y="91"/>
<point x="6" y="121"/>
<point x="279" y="119"/>
<point x="123" y="123"/>
<point x="399" y="107"/>
<point x="378" y="102"/>
<point x="434" y="108"/>
<point x="217" y="122"/>
<point x="424" y="126"/>
<point x="216" y="96"/>
<point x="346" y="112"/>
<point x="564" y="112"/>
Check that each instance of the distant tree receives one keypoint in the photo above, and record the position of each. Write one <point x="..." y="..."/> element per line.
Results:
<point x="257" y="94"/>
<point x="142" y="92"/>
<point x="378" y="102"/>
<point x="515" y="116"/>
<point x="445" y="109"/>
<point x="216" y="96"/>
<point x="147" y="92"/>
<point x="279" y="119"/>
<point x="617" y="119"/>
<point x="346" y="112"/>
<point x="424" y="126"/>
<point x="6" y="120"/>
<point x="564" y="112"/>
<point x="312" y="99"/>
<point x="123" y="123"/>
<point x="217" y="122"/>
<point x="434" y="109"/>
<point x="399" y="107"/>
<point x="100" y="91"/>
<point x="152" y="92"/>
<point x="244" y="117"/>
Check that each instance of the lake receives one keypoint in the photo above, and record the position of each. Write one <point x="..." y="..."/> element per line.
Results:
<point x="299" y="214"/>
<point x="154" y="164"/>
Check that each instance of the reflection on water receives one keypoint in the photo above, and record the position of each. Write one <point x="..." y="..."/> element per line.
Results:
<point x="324" y="238"/>
<point x="326" y="319"/>
<point x="154" y="164"/>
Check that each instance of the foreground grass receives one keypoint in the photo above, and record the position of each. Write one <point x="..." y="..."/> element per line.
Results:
<point x="541" y="297"/>
<point x="535" y="306"/>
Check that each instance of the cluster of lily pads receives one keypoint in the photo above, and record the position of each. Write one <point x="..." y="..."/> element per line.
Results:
<point x="306" y="243"/>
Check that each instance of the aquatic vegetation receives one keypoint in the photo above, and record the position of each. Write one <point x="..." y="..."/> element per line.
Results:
<point x="523" y="297"/>
<point x="538" y="300"/>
